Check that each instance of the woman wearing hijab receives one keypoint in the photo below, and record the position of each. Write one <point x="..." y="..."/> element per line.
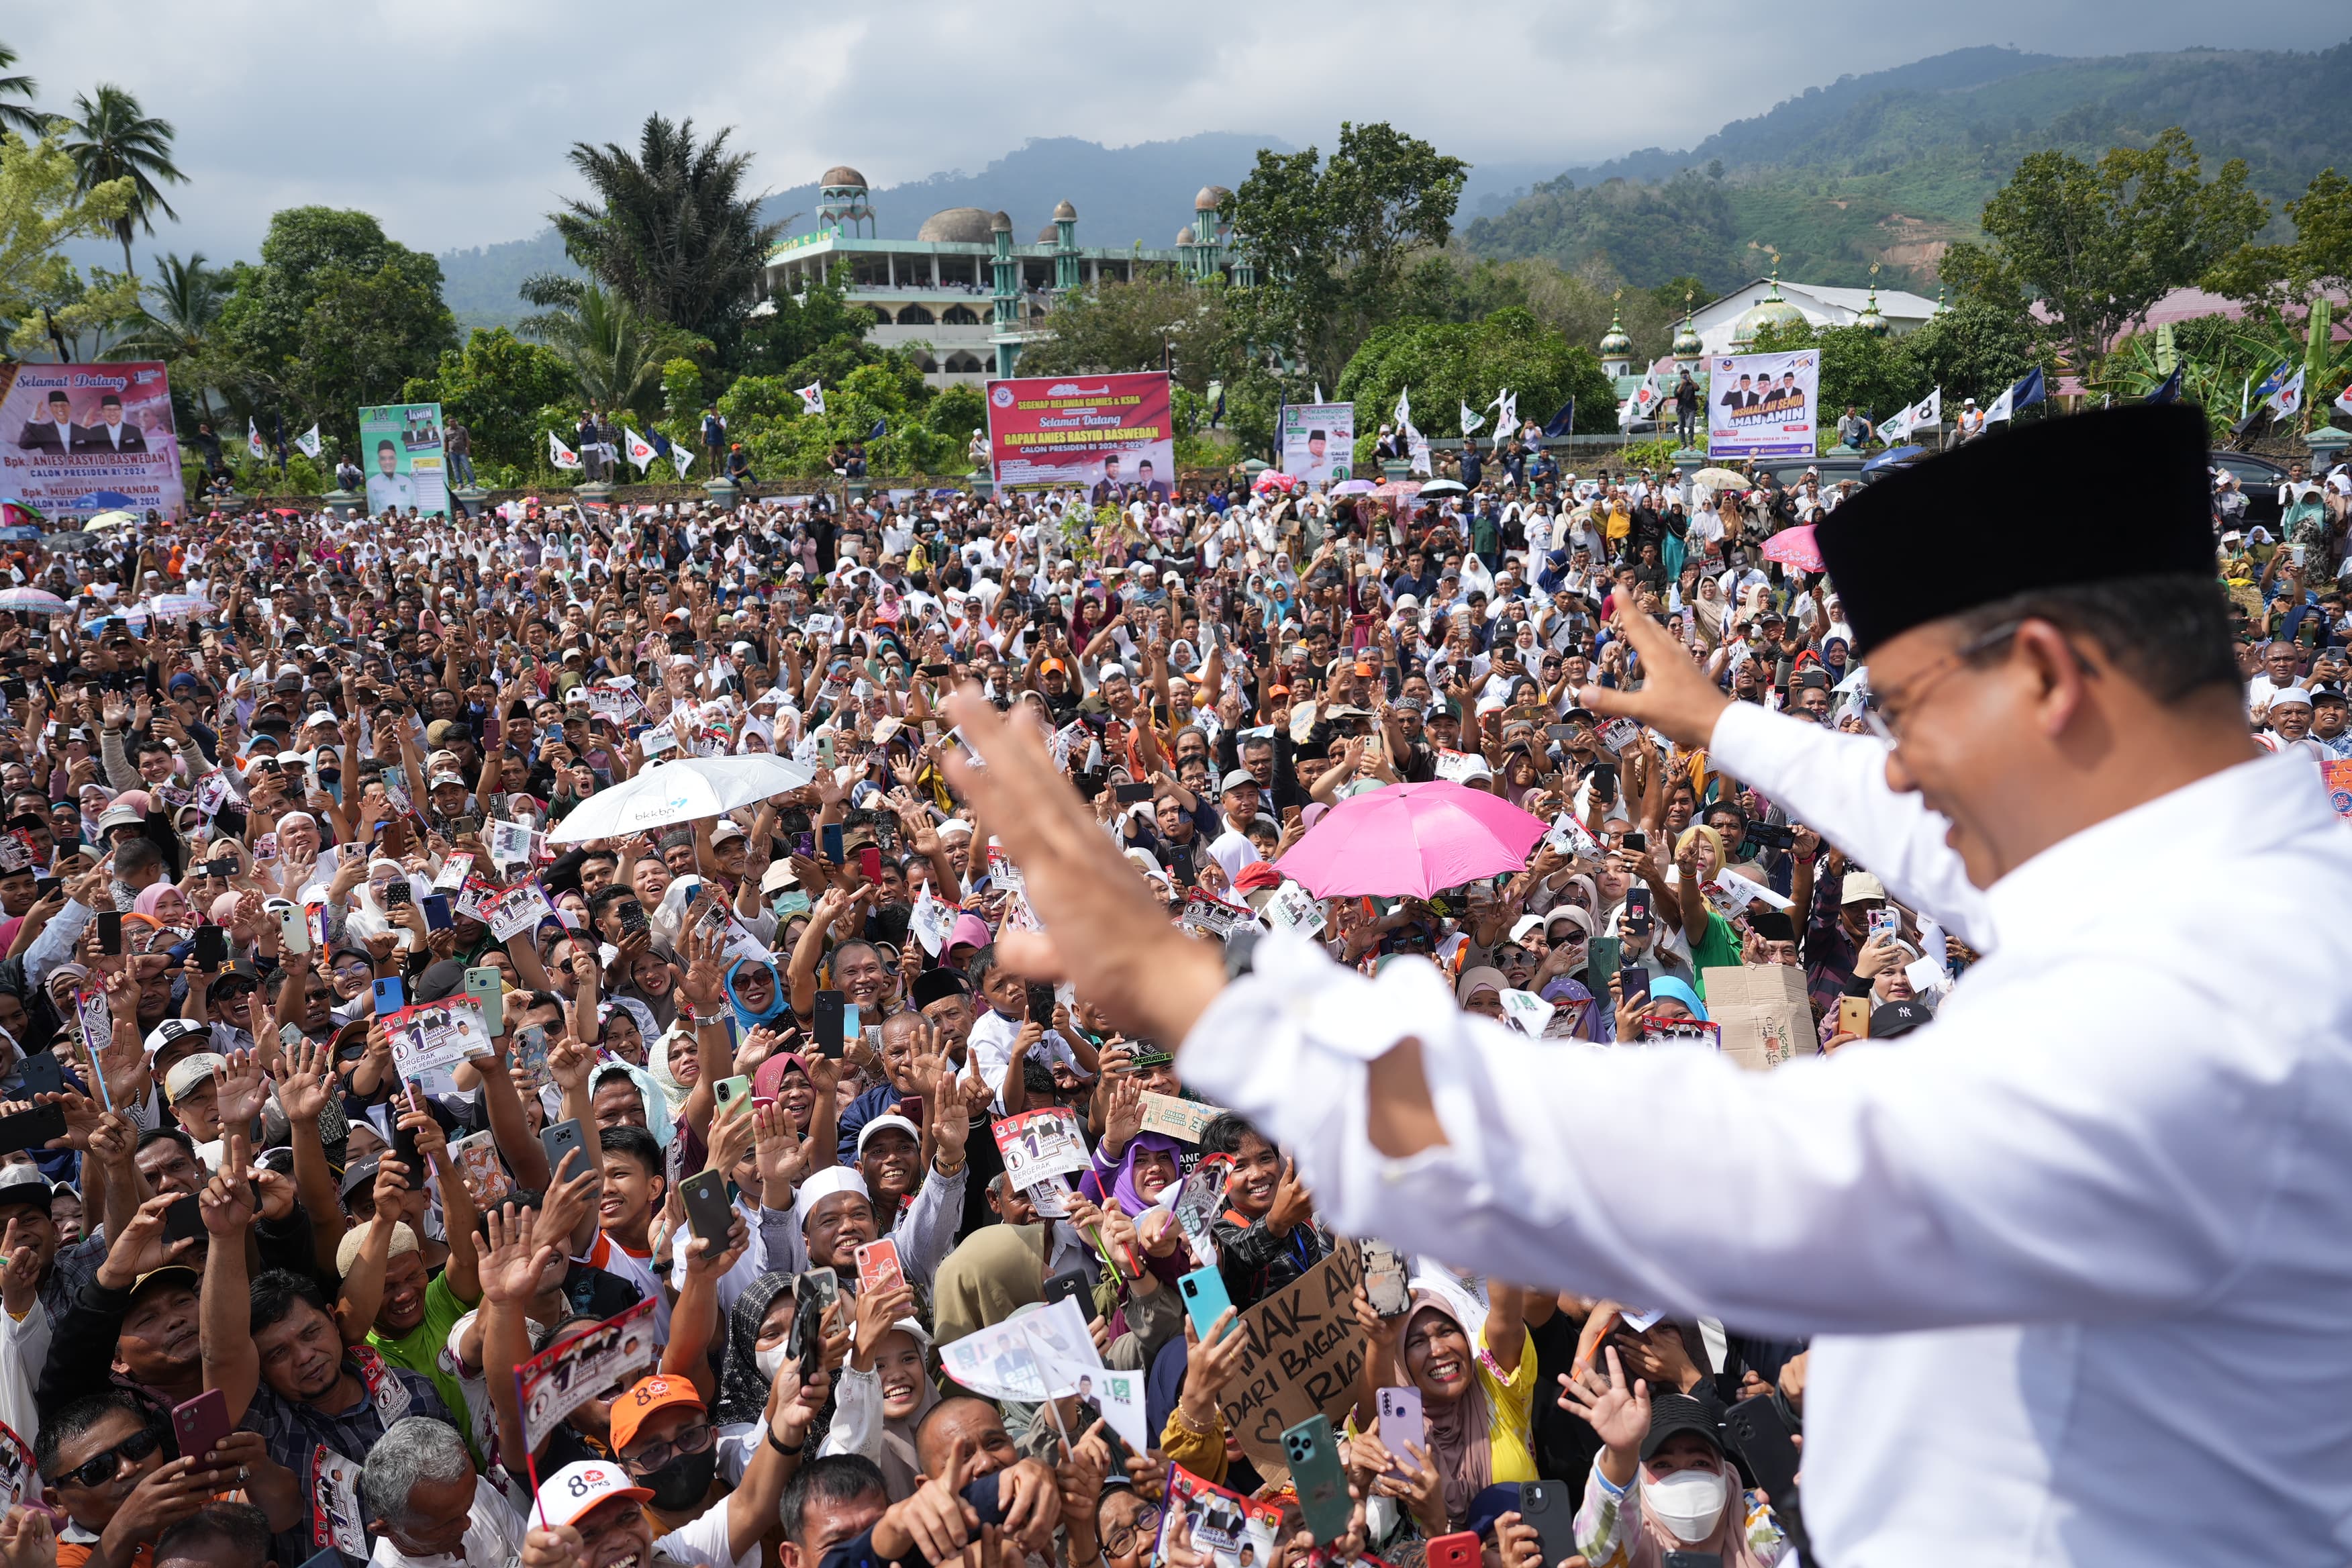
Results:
<point x="1478" y="1394"/>
<point x="755" y="993"/>
<point x="1662" y="1483"/>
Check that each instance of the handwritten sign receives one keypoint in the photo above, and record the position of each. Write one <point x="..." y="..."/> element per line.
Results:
<point x="1762" y="1013"/>
<point x="1303" y="1352"/>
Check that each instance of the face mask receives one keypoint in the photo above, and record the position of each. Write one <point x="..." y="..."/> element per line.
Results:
<point x="769" y="1361"/>
<point x="682" y="1483"/>
<point x="1688" y="1502"/>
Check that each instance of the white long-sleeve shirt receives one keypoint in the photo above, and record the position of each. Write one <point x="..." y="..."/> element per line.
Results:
<point x="2075" y="1252"/>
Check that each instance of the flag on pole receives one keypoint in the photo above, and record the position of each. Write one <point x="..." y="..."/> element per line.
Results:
<point x="2270" y="383"/>
<point x="1319" y="392"/>
<point x="1506" y="418"/>
<point x="2169" y="389"/>
<point x="253" y="440"/>
<point x="681" y="457"/>
<point x="1471" y="421"/>
<point x="1563" y="421"/>
<point x="2287" y="400"/>
<point x="1928" y="410"/>
<point x="812" y="397"/>
<point x="2343" y="400"/>
<point x="1403" y="416"/>
<point x="640" y="451"/>
<point x="309" y="442"/>
<point x="881" y="428"/>
<point x="1642" y="404"/>
<point x="2024" y="393"/>
<point x="562" y="456"/>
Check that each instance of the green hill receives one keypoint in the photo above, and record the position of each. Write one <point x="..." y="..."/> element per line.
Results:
<point x="1888" y="167"/>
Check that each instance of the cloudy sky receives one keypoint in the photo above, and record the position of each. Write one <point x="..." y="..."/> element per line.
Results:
<point x="449" y="119"/>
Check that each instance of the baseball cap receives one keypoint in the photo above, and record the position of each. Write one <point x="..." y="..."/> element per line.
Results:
<point x="639" y="1403"/>
<point x="447" y="778"/>
<point x="172" y="1030"/>
<point x="1674" y="1413"/>
<point x="24" y="1184"/>
<point x="778" y="878"/>
<point x="726" y="830"/>
<point x="881" y="1122"/>
<point x="1235" y="780"/>
<point x="192" y="1072"/>
<point x="1860" y="886"/>
<point x="565" y="1497"/>
<point x="1898" y="1018"/>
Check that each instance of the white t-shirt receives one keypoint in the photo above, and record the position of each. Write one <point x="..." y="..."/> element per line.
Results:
<point x="703" y="1543"/>
<point x="493" y="1537"/>
<point x="991" y="1040"/>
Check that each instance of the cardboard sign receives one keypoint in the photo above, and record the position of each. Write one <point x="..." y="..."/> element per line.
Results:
<point x="561" y="1378"/>
<point x="617" y="704"/>
<point x="454" y="871"/>
<point x="1763" y="1014"/>
<point x="515" y="844"/>
<point x="1176" y="1117"/>
<point x="1067" y="740"/>
<point x="1302" y="1354"/>
<point x="1041" y="1144"/>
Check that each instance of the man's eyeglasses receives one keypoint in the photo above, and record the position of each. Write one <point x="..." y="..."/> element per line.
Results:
<point x="100" y="1468"/>
<point x="1886" y="715"/>
<point x="694" y="1439"/>
<point x="1122" y="1539"/>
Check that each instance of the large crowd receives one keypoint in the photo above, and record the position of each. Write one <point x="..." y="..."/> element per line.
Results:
<point x="346" y="1081"/>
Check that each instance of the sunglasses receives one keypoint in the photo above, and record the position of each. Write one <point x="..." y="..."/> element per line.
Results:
<point x="100" y="1468"/>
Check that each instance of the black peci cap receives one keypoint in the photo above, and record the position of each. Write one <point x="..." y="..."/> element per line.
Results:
<point x="1979" y="524"/>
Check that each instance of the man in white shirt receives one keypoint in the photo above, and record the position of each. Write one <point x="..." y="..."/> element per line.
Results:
<point x="1237" y="808"/>
<point x="2092" y="1161"/>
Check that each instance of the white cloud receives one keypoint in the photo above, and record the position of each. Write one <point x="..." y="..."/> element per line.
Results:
<point x="450" y="118"/>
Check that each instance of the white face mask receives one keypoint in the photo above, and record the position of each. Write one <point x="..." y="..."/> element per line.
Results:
<point x="1688" y="1502"/>
<point x="769" y="1361"/>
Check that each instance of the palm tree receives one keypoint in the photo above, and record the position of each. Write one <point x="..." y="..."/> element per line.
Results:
<point x="671" y="230"/>
<point x="615" y="352"/>
<point x="13" y="117"/>
<point x="179" y="314"/>
<point x="114" y="139"/>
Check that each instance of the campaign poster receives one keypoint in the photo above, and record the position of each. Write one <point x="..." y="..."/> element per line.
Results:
<point x="400" y="447"/>
<point x="1318" y="442"/>
<point x="1762" y="405"/>
<point x="1105" y="435"/>
<point x="79" y="439"/>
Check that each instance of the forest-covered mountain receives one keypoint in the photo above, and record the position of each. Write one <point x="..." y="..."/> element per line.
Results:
<point x="1890" y="166"/>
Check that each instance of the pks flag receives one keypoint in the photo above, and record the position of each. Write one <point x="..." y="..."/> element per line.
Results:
<point x="1928" y="410"/>
<point x="1471" y="421"/>
<point x="253" y="440"/>
<point x="640" y="451"/>
<point x="681" y="457"/>
<point x="562" y="456"/>
<point x="309" y="442"/>
<point x="2024" y="393"/>
<point x="812" y="397"/>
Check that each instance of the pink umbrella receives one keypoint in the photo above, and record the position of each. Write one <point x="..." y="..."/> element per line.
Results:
<point x="1795" y="547"/>
<point x="1410" y="840"/>
<point x="1275" y="480"/>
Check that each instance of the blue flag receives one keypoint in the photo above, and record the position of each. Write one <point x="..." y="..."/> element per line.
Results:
<point x="2028" y="390"/>
<point x="2169" y="390"/>
<point x="881" y="428"/>
<point x="1561" y="421"/>
<point x="2272" y="382"/>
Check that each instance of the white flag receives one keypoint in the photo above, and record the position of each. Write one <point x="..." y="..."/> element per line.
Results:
<point x="253" y="440"/>
<point x="1471" y="421"/>
<point x="1405" y="407"/>
<point x="1928" y="410"/>
<point x="1319" y="392"/>
<point x="562" y="456"/>
<point x="1507" y="421"/>
<point x="1642" y="404"/>
<point x="2343" y="400"/>
<point x="309" y="442"/>
<point x="641" y="451"/>
<point x="1417" y="449"/>
<point x="681" y="457"/>
<point x="2288" y="399"/>
<point x="812" y="397"/>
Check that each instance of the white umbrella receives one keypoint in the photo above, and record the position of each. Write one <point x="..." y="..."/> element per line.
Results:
<point x="107" y="520"/>
<point x="686" y="790"/>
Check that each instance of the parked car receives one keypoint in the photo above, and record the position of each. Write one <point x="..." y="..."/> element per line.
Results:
<point x="2258" y="479"/>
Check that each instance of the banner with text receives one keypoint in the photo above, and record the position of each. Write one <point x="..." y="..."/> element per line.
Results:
<point x="79" y="439"/>
<point x="1319" y="441"/>
<point x="1103" y="433"/>
<point x="1762" y="405"/>
<point x="400" y="447"/>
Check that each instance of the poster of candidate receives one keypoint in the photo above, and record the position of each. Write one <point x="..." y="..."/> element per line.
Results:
<point x="1318" y="442"/>
<point x="1762" y="405"/>
<point x="400" y="447"/>
<point x="1106" y="435"/>
<point x="79" y="439"/>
